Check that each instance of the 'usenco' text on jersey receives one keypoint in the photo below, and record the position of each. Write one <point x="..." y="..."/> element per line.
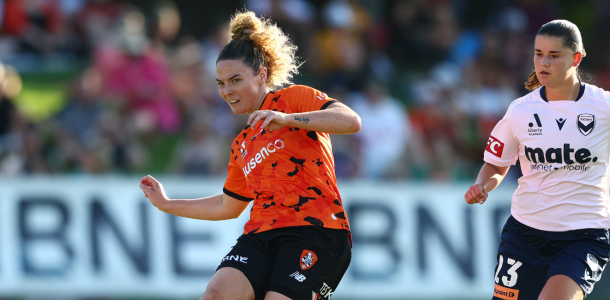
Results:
<point x="564" y="150"/>
<point x="262" y="154"/>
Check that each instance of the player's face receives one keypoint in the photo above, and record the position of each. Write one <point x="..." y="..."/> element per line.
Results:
<point x="554" y="63"/>
<point x="239" y="86"/>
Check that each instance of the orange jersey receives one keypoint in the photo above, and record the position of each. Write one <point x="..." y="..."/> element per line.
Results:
<point x="288" y="172"/>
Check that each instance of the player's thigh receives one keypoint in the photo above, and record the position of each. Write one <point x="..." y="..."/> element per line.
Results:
<point x="561" y="287"/>
<point x="229" y="283"/>
<point x="521" y="272"/>
<point x="582" y="259"/>
<point x="310" y="264"/>
<point x="250" y="257"/>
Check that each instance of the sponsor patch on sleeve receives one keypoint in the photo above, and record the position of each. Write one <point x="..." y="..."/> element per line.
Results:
<point x="494" y="146"/>
<point x="505" y="293"/>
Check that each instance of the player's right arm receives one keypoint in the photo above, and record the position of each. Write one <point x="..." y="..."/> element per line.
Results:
<point x="489" y="178"/>
<point x="213" y="208"/>
<point x="501" y="152"/>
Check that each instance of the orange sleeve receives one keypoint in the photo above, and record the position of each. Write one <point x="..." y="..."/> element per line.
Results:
<point x="303" y="99"/>
<point x="236" y="185"/>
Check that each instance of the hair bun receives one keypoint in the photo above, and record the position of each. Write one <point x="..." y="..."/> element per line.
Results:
<point x="260" y="43"/>
<point x="244" y="25"/>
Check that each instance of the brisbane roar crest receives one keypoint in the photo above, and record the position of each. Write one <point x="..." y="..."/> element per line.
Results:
<point x="308" y="258"/>
<point x="585" y="123"/>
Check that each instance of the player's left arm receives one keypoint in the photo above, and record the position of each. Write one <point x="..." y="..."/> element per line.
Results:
<point x="337" y="118"/>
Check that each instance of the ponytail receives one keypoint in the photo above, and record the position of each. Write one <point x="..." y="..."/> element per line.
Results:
<point x="532" y="82"/>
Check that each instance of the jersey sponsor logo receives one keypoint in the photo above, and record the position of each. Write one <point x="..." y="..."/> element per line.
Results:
<point x="537" y="121"/>
<point x="262" y="154"/>
<point x="505" y="293"/>
<point x="559" y="155"/>
<point x="542" y="167"/>
<point x="494" y="146"/>
<point x="560" y="122"/>
<point x="548" y="168"/>
<point x="298" y="276"/>
<point x="308" y="259"/>
<point x="326" y="291"/>
<point x="535" y="131"/>
<point x="238" y="258"/>
<point x="585" y="123"/>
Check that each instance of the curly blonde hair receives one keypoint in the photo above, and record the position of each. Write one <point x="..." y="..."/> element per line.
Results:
<point x="260" y="43"/>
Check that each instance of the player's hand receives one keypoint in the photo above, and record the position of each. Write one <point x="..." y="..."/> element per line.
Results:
<point x="270" y="119"/>
<point x="476" y="194"/>
<point x="153" y="190"/>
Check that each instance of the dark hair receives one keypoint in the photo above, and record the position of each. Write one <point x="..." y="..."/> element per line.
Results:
<point x="260" y="43"/>
<point x="569" y="33"/>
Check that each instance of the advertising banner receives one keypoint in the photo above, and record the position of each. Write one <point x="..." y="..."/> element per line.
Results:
<point x="100" y="237"/>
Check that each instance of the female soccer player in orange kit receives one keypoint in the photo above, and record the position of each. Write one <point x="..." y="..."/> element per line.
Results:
<point x="297" y="243"/>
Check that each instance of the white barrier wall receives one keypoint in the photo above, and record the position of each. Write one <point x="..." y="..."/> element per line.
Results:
<point x="89" y="236"/>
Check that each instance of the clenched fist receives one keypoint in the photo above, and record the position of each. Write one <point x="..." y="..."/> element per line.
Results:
<point x="153" y="190"/>
<point x="476" y="194"/>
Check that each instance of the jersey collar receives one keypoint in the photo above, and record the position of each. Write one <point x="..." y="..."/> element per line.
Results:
<point x="580" y="92"/>
<point x="269" y="94"/>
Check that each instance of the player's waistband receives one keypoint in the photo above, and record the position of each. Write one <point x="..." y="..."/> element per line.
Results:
<point x="512" y="223"/>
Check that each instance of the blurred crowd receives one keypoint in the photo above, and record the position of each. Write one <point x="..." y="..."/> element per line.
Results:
<point x="430" y="79"/>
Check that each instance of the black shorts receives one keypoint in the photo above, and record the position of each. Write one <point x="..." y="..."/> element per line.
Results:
<point x="303" y="262"/>
<point x="528" y="257"/>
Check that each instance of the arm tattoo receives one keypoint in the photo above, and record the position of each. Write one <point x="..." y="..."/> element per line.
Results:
<point x="302" y="120"/>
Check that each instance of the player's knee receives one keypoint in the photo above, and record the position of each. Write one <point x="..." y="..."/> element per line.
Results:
<point x="211" y="294"/>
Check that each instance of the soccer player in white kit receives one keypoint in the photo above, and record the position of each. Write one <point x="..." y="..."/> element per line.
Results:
<point x="555" y="243"/>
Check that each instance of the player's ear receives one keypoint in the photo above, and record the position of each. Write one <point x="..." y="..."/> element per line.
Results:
<point x="577" y="59"/>
<point x="262" y="76"/>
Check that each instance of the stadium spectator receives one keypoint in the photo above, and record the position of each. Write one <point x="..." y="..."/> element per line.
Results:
<point x="38" y="26"/>
<point x="138" y="76"/>
<point x="197" y="154"/>
<point x="94" y="23"/>
<point x="385" y="136"/>
<point x="448" y="63"/>
<point x="12" y="124"/>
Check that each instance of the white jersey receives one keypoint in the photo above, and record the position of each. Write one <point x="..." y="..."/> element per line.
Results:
<point x="564" y="150"/>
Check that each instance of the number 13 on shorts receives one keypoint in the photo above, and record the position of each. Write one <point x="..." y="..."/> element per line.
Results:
<point x="509" y="280"/>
